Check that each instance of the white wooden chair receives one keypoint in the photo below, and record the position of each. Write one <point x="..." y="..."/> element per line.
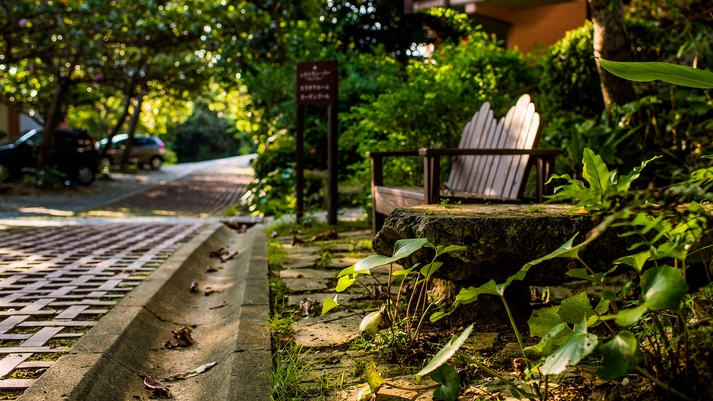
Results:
<point x="491" y="164"/>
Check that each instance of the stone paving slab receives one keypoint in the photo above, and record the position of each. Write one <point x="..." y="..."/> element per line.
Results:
<point x="330" y="330"/>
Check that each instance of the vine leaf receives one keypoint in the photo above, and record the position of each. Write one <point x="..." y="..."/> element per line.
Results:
<point x="449" y="380"/>
<point x="555" y="335"/>
<point x="573" y="309"/>
<point x="578" y="345"/>
<point x="543" y="320"/>
<point x="402" y="249"/>
<point x="445" y="353"/>
<point x="621" y="356"/>
<point x="636" y="261"/>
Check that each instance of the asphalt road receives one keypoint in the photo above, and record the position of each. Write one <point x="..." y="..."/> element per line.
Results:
<point x="18" y="201"/>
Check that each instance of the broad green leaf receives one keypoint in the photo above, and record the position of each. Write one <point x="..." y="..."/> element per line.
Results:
<point x="627" y="317"/>
<point x="667" y="72"/>
<point x="329" y="304"/>
<point x="470" y="294"/>
<point x="596" y="172"/>
<point x="636" y="261"/>
<point x="402" y="249"/>
<point x="449" y="380"/>
<point x="371" y="322"/>
<point x="344" y="283"/>
<point x="578" y="345"/>
<point x="544" y="347"/>
<point x="601" y="308"/>
<point x="663" y="287"/>
<point x="373" y="378"/>
<point x="621" y="356"/>
<point x="450" y="248"/>
<point x="575" y="308"/>
<point x="445" y="353"/>
<point x="430" y="268"/>
<point x="543" y="320"/>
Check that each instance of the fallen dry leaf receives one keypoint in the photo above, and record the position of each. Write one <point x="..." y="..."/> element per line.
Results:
<point x="208" y="291"/>
<point x="218" y="253"/>
<point x="296" y="240"/>
<point x="228" y="257"/>
<point x="325" y="237"/>
<point x="183" y="338"/>
<point x="194" y="286"/>
<point x="219" y="306"/>
<point x="159" y="390"/>
<point x="194" y="372"/>
<point x="306" y="306"/>
<point x="211" y="269"/>
<point x="274" y="234"/>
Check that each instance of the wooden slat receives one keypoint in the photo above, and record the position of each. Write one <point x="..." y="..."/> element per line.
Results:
<point x="16" y="384"/>
<point x="387" y="199"/>
<point x="10" y="363"/>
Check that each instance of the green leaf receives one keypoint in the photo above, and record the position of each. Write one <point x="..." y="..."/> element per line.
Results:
<point x="373" y="378"/>
<point x="403" y="272"/>
<point x="350" y="271"/>
<point x="575" y="308"/>
<point x="329" y="304"/>
<point x="470" y="294"/>
<point x="449" y="380"/>
<point x="621" y="356"/>
<point x="371" y="322"/>
<point x="543" y="320"/>
<point x="596" y="172"/>
<point x="636" y="261"/>
<point x="627" y="317"/>
<point x="625" y="181"/>
<point x="450" y="248"/>
<point x="430" y="268"/>
<point x="667" y="72"/>
<point x="544" y="347"/>
<point x="436" y="316"/>
<point x="445" y="353"/>
<point x="344" y="283"/>
<point x="663" y="287"/>
<point x="365" y="394"/>
<point x="609" y="294"/>
<point x="671" y="249"/>
<point x="402" y="249"/>
<point x="578" y="345"/>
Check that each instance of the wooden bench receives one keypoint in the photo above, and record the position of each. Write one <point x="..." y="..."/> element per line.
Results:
<point x="492" y="161"/>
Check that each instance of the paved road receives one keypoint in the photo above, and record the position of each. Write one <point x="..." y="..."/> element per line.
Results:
<point x="65" y="260"/>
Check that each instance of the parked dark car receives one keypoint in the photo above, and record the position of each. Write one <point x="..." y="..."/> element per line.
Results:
<point x="73" y="152"/>
<point x="145" y="150"/>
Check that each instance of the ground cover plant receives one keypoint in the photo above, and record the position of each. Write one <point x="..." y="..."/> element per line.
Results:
<point x="655" y="325"/>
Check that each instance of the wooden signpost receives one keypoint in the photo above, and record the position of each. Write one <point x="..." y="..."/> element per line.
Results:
<point x="317" y="84"/>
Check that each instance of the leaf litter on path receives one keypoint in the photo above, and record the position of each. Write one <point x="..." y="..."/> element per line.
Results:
<point x="183" y="338"/>
<point x="191" y="373"/>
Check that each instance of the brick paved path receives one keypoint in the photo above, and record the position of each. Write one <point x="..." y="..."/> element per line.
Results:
<point x="56" y="282"/>
<point x="201" y="193"/>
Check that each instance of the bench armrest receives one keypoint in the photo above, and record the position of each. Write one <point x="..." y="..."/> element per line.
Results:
<point x="393" y="153"/>
<point x="486" y="152"/>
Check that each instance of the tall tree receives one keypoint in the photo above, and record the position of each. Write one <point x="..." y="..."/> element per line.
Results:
<point x="611" y="43"/>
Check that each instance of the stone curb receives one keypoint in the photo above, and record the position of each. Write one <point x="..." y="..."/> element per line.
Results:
<point x="106" y="363"/>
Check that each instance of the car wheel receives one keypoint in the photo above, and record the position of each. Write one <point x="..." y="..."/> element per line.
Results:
<point x="155" y="163"/>
<point x="85" y="175"/>
<point x="4" y="173"/>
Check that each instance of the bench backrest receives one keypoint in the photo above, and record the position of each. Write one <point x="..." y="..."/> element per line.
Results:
<point x="500" y="176"/>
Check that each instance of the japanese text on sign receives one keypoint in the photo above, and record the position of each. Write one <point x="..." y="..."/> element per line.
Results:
<point x="317" y="82"/>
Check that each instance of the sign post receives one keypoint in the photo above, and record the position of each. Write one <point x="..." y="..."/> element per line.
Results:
<point x="317" y="84"/>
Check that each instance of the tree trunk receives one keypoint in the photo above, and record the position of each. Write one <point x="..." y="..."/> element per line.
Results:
<point x="611" y="42"/>
<point x="132" y="129"/>
<point x="52" y="119"/>
<point x="119" y="123"/>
